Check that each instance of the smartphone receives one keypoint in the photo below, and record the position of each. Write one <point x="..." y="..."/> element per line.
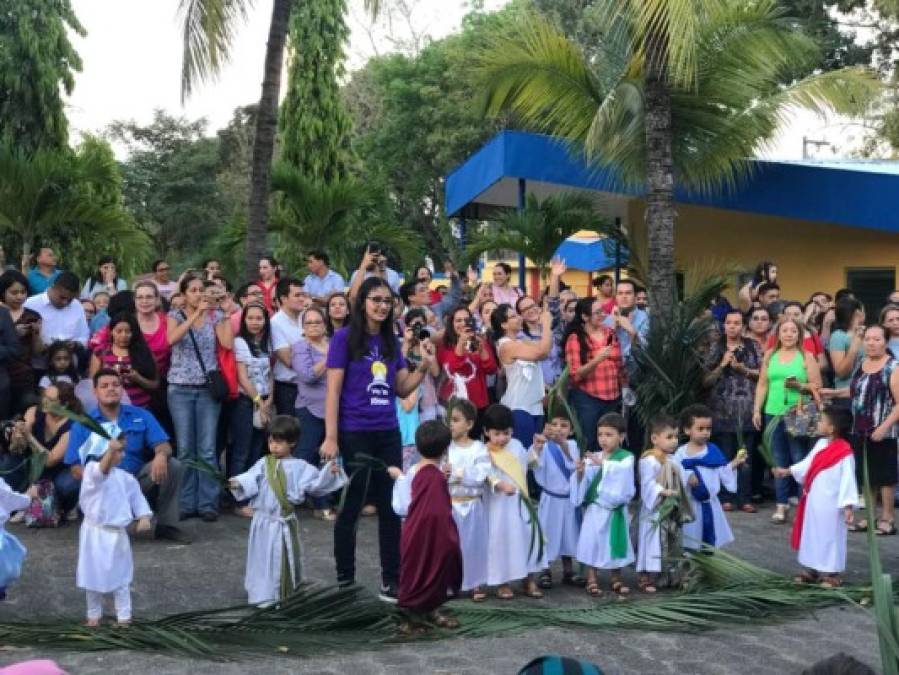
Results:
<point x="610" y="339"/>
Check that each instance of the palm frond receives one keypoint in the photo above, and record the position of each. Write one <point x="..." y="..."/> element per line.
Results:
<point x="86" y="421"/>
<point x="766" y="447"/>
<point x="209" y="469"/>
<point x="209" y="30"/>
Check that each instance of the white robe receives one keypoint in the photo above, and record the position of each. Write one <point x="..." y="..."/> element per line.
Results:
<point x="110" y="502"/>
<point x="713" y="479"/>
<point x="12" y="552"/>
<point x="649" y="540"/>
<point x="823" y="544"/>
<point x="509" y="555"/>
<point x="616" y="488"/>
<point x="268" y="530"/>
<point x="558" y="515"/>
<point x="470" y="468"/>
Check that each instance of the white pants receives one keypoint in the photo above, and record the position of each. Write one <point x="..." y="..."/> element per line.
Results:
<point x="122" y="597"/>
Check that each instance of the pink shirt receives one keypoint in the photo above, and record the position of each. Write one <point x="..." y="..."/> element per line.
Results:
<point x="506" y="294"/>
<point x="158" y="343"/>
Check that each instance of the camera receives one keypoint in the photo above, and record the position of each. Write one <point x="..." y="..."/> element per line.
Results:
<point x="471" y="326"/>
<point x="740" y="354"/>
<point x="420" y="331"/>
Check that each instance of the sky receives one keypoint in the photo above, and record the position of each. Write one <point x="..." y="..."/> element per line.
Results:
<point x="132" y="65"/>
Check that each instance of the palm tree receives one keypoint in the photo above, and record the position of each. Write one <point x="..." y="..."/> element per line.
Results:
<point x="71" y="199"/>
<point x="537" y="230"/>
<point x="338" y="216"/>
<point x="209" y="30"/>
<point x="682" y="92"/>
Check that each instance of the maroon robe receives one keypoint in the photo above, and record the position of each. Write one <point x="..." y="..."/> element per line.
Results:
<point x="430" y="555"/>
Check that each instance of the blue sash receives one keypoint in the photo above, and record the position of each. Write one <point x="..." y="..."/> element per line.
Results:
<point x="556" y="453"/>
<point x="712" y="459"/>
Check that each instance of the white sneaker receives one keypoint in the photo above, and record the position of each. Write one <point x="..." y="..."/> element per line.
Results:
<point x="794" y="501"/>
<point x="72" y="515"/>
<point x="18" y="517"/>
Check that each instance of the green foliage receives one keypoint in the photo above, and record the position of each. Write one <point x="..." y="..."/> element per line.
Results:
<point x="671" y="360"/>
<point x="37" y="64"/>
<point x="315" y="127"/>
<point x="414" y="122"/>
<point x="171" y="181"/>
<point x="726" y="67"/>
<point x="539" y="229"/>
<point x="71" y="201"/>
<point x="337" y="216"/>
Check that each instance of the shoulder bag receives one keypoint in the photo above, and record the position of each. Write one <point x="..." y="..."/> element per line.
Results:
<point x="215" y="381"/>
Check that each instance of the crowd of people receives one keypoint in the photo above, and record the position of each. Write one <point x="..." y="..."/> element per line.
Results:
<point x="282" y="381"/>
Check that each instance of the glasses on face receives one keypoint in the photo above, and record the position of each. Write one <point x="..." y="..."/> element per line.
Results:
<point x="380" y="300"/>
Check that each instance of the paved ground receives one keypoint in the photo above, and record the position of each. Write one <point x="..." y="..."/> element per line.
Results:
<point x="209" y="573"/>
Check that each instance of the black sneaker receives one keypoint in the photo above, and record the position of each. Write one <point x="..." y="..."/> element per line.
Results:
<point x="388" y="593"/>
<point x="172" y="534"/>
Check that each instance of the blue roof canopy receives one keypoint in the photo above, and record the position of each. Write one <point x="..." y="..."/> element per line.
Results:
<point x="852" y="193"/>
<point x="590" y="255"/>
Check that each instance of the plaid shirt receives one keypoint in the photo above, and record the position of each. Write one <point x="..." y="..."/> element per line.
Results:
<point x="609" y="376"/>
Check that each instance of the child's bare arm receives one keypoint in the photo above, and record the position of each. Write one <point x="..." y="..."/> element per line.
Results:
<point x="394" y="472"/>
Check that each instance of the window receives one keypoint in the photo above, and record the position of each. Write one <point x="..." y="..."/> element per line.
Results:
<point x="871" y="286"/>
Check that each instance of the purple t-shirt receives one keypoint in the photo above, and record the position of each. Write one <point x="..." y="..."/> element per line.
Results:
<point x="368" y="394"/>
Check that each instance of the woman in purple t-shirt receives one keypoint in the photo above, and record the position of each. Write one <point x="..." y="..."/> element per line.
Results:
<point x="366" y="374"/>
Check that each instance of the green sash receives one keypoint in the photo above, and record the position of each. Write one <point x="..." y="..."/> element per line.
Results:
<point x="618" y="528"/>
<point x="277" y="481"/>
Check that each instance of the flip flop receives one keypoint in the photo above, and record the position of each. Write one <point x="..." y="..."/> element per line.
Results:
<point x="831" y="581"/>
<point x="478" y="595"/>
<point x="593" y="589"/>
<point x="860" y="526"/>
<point x="504" y="593"/>
<point x="619" y="587"/>
<point x="545" y="580"/>
<point x="887" y="531"/>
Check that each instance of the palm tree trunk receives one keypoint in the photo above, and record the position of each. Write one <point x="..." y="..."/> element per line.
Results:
<point x="264" y="141"/>
<point x="660" y="211"/>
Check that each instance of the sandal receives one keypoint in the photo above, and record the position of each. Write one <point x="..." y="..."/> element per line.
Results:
<point x="831" y="581"/>
<point x="545" y="580"/>
<point x="749" y="508"/>
<point x="409" y="628"/>
<point x="444" y="621"/>
<point x="593" y="589"/>
<point x="860" y="526"/>
<point x="887" y="531"/>
<point x="646" y="585"/>
<point x="504" y="593"/>
<point x="806" y="577"/>
<point x="478" y="595"/>
<point x="619" y="587"/>
<point x="571" y="579"/>
<point x="727" y="506"/>
<point x="531" y="590"/>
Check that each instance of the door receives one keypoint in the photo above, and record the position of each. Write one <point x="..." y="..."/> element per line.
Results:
<point x="871" y="285"/>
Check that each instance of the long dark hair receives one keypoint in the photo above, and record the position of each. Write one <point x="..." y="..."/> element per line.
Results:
<point x="52" y="350"/>
<point x="450" y="336"/>
<point x="497" y="319"/>
<point x="358" y="335"/>
<point x="97" y="278"/>
<point x="262" y="344"/>
<point x="844" y="311"/>
<point x="577" y="326"/>
<point x="762" y="272"/>
<point x="141" y="357"/>
<point x="329" y="321"/>
<point x="10" y="277"/>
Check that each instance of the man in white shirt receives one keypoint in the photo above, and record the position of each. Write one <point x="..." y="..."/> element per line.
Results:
<point x="322" y="281"/>
<point x="61" y="319"/>
<point x="287" y="330"/>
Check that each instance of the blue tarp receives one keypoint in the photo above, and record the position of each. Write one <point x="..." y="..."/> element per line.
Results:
<point x="590" y="255"/>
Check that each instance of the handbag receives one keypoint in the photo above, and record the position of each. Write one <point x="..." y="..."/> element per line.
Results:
<point x="228" y="368"/>
<point x="215" y="381"/>
<point x="802" y="419"/>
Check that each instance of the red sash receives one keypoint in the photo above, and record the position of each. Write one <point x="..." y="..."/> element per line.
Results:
<point x="830" y="456"/>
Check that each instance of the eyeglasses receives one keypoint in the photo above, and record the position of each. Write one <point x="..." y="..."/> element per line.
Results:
<point x="380" y="299"/>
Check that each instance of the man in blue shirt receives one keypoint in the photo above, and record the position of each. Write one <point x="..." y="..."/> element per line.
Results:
<point x="322" y="281"/>
<point x="148" y="453"/>
<point x="44" y="273"/>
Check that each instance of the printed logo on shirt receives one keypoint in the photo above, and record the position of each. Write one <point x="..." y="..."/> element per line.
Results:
<point x="378" y="388"/>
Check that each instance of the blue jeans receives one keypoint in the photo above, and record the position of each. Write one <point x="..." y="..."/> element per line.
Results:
<point x="787" y="450"/>
<point x="246" y="440"/>
<point x="312" y="433"/>
<point x="196" y="416"/>
<point x="67" y="489"/>
<point x="588" y="410"/>
<point x="525" y="425"/>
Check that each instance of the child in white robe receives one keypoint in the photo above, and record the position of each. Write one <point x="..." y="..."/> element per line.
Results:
<point x="469" y="466"/>
<point x="12" y="552"/>
<point x="603" y="485"/>
<point x="111" y="500"/>
<point x="275" y="485"/>
<point x="510" y="555"/>
<point x="554" y="457"/>
<point x="829" y="493"/>
<point x="661" y="476"/>
<point x="707" y="470"/>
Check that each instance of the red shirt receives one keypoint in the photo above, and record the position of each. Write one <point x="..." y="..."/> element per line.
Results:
<point x="472" y="368"/>
<point x="608" y="378"/>
<point x="268" y="293"/>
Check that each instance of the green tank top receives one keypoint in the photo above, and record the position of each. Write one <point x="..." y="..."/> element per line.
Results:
<point x="780" y="399"/>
